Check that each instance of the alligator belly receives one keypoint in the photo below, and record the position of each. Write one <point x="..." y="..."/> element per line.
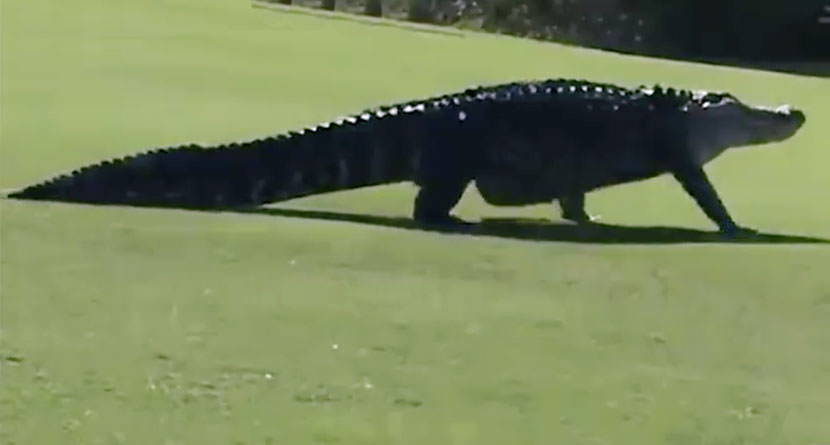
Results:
<point x="503" y="190"/>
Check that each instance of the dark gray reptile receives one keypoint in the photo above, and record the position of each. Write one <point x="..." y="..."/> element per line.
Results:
<point x="521" y="143"/>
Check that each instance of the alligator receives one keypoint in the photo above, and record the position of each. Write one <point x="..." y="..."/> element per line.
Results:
<point x="521" y="143"/>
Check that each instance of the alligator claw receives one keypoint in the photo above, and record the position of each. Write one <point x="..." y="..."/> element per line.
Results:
<point x="582" y="218"/>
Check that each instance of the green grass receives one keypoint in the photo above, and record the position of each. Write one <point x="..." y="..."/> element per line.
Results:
<point x="172" y="327"/>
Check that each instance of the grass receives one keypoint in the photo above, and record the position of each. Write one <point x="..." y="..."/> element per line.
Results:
<point x="173" y="327"/>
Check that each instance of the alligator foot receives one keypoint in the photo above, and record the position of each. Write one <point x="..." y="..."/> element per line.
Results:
<point x="737" y="232"/>
<point x="573" y="209"/>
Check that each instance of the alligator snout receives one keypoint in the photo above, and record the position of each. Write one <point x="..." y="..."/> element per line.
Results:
<point x="798" y="116"/>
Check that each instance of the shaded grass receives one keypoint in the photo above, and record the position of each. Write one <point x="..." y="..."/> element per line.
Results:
<point x="153" y="326"/>
<point x="359" y="18"/>
<point x="544" y="230"/>
<point x="816" y="68"/>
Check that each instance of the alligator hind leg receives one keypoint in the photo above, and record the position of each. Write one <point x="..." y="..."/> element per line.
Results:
<point x="573" y="208"/>
<point x="435" y="200"/>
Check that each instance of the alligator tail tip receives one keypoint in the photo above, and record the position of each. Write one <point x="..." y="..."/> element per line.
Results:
<point x="10" y="193"/>
<point x="21" y="193"/>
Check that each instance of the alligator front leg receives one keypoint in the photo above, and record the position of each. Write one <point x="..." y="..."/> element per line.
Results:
<point x="573" y="208"/>
<point x="697" y="185"/>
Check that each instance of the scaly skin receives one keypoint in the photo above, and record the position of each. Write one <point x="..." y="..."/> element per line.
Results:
<point x="521" y="143"/>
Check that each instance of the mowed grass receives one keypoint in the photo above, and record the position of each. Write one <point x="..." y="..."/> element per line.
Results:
<point x="150" y="326"/>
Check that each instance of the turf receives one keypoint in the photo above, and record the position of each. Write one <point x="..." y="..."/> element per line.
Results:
<point x="173" y="327"/>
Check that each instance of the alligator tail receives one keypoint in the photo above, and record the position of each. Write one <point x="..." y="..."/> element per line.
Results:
<point x="369" y="149"/>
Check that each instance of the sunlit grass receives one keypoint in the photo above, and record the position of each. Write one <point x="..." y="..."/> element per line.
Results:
<point x="162" y="326"/>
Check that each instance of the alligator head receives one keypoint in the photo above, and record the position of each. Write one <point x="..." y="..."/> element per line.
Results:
<point x="718" y="121"/>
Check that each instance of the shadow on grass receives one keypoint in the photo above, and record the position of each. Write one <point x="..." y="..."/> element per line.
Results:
<point x="528" y="229"/>
<point x="814" y="68"/>
<point x="359" y="18"/>
<point x="542" y="230"/>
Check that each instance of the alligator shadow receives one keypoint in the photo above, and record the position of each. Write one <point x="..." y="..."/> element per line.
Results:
<point x="542" y="230"/>
<point x="815" y="67"/>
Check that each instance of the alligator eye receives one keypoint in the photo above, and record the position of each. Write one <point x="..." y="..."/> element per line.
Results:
<point x="728" y="99"/>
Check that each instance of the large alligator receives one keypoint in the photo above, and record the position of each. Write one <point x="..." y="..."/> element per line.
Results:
<point x="522" y="143"/>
